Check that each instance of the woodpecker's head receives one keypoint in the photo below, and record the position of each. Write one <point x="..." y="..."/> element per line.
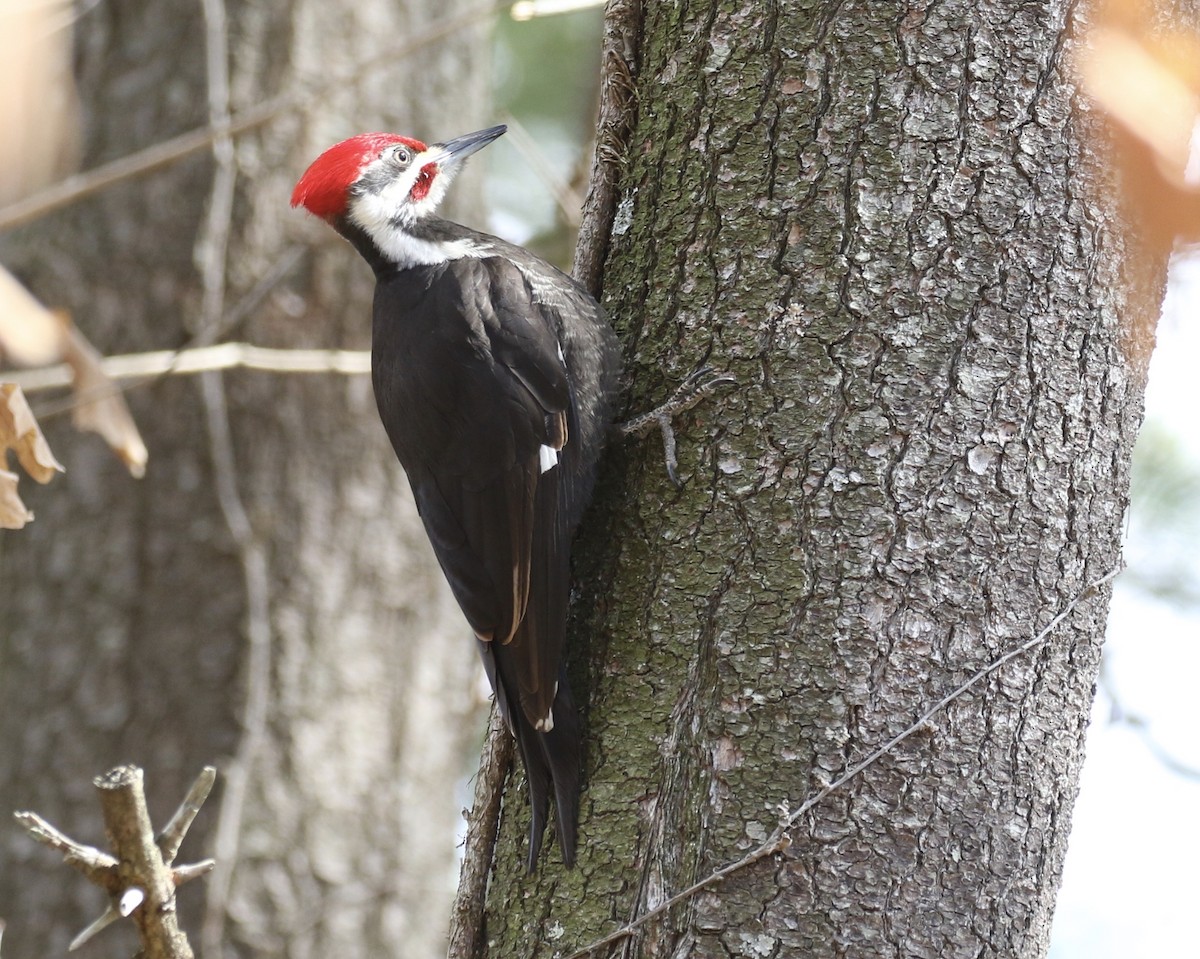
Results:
<point x="382" y="182"/>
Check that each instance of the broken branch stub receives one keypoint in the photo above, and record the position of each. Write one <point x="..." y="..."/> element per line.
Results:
<point x="140" y="877"/>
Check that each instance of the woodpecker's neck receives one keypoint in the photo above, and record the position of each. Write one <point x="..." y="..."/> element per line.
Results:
<point x="399" y="246"/>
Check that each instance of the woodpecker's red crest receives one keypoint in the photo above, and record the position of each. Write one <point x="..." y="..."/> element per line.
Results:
<point x="382" y="180"/>
<point x="324" y="189"/>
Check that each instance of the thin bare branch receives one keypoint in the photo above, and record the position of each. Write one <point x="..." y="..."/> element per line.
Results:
<point x="483" y="821"/>
<point x="256" y="707"/>
<point x="98" y="866"/>
<point x="212" y="245"/>
<point x="618" y="114"/>
<point x="171" y="837"/>
<point x="94" y="928"/>
<point x="569" y="202"/>
<point x="137" y="875"/>
<point x="223" y="356"/>
<point x="193" y="870"/>
<point x="211" y="254"/>
<point x="163" y="154"/>
<point x="781" y="839"/>
<point x="1141" y="728"/>
<point x="148" y="368"/>
<point x="250" y="302"/>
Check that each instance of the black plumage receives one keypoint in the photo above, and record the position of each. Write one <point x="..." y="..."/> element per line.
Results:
<point x="494" y="375"/>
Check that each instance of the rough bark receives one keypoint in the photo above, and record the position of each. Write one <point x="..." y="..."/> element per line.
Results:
<point x="310" y="653"/>
<point x="884" y="219"/>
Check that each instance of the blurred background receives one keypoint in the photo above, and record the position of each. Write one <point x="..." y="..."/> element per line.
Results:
<point x="1129" y="886"/>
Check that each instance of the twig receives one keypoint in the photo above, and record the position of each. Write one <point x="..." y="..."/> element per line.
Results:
<point x="151" y="367"/>
<point x="466" y="915"/>
<point x="250" y="301"/>
<point x="569" y="202"/>
<point x="224" y="356"/>
<point x="256" y="707"/>
<point x="212" y="251"/>
<point x="141" y="878"/>
<point x="780" y="840"/>
<point x="171" y="837"/>
<point x="190" y="871"/>
<point x="618" y="114"/>
<point x="76" y="187"/>
<point x="99" y="867"/>
<point x="213" y="243"/>
<point x="1141" y="728"/>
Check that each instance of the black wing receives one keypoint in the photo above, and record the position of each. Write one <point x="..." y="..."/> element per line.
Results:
<point x="473" y="391"/>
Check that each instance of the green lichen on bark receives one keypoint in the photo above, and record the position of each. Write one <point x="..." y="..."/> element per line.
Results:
<point x="877" y="217"/>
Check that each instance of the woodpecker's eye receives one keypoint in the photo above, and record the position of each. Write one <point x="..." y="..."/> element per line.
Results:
<point x="399" y="155"/>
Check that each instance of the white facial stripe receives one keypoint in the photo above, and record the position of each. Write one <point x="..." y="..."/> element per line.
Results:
<point x="374" y="209"/>
<point x="547" y="457"/>
<point x="384" y="215"/>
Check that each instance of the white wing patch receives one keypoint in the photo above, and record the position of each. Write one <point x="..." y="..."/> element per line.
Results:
<point x="547" y="457"/>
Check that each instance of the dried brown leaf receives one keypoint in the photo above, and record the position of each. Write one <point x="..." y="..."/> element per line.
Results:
<point x="20" y="433"/>
<point x="99" y="403"/>
<point x="29" y="334"/>
<point x="13" y="514"/>
<point x="32" y="335"/>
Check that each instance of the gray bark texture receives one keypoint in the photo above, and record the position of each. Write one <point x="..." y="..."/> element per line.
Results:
<point x="264" y="602"/>
<point x="886" y="221"/>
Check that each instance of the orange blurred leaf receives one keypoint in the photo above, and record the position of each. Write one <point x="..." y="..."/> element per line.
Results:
<point x="1134" y="85"/>
<point x="1147" y="82"/>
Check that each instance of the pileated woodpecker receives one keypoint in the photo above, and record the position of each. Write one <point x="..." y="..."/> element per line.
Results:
<point x="494" y="375"/>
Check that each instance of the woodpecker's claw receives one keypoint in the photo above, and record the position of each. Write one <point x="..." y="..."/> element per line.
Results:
<point x="691" y="391"/>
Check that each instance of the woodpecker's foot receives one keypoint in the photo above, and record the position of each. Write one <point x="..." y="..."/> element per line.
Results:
<point x="691" y="391"/>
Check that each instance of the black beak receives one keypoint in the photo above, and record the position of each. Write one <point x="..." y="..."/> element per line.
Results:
<point x="462" y="147"/>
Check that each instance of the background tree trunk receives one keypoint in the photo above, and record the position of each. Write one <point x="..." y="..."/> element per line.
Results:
<point x="882" y="218"/>
<point x="312" y="653"/>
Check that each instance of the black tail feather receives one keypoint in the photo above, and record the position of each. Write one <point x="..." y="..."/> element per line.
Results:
<point x="551" y="759"/>
<point x="562" y="751"/>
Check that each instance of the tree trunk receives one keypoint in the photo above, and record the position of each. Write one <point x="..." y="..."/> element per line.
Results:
<point x="883" y="218"/>
<point x="265" y="600"/>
